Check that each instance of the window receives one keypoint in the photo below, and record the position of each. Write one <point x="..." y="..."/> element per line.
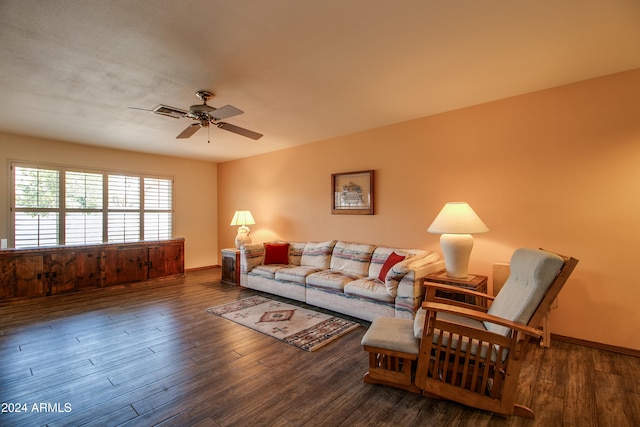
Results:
<point x="37" y="206"/>
<point x="158" y="203"/>
<point x="124" y="208"/>
<point x="95" y="206"/>
<point x="83" y="213"/>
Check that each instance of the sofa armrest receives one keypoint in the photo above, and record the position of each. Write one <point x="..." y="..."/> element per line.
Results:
<point x="410" y="283"/>
<point x="427" y="264"/>
<point x="410" y="292"/>
<point x="250" y="256"/>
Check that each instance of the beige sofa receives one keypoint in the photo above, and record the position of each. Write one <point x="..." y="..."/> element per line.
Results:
<point x="359" y="280"/>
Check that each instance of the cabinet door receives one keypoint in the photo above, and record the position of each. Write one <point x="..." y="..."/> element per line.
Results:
<point x="22" y="276"/>
<point x="73" y="271"/>
<point x="7" y="274"/>
<point x="166" y="260"/>
<point x="125" y="264"/>
<point x="61" y="272"/>
<point x="229" y="268"/>
<point x="89" y="268"/>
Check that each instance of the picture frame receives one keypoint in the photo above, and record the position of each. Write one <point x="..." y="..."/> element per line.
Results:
<point x="352" y="193"/>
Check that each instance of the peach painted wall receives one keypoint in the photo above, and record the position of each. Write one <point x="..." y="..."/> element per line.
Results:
<point x="195" y="186"/>
<point x="558" y="169"/>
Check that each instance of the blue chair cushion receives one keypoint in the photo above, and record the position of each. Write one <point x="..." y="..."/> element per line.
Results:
<point x="532" y="272"/>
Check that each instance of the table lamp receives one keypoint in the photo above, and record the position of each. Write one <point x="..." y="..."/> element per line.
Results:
<point x="456" y="222"/>
<point x="242" y="218"/>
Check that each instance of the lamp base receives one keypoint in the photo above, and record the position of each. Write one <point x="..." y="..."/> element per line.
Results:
<point x="243" y="236"/>
<point x="457" y="251"/>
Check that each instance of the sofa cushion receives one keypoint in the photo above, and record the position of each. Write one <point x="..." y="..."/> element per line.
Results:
<point x="331" y="280"/>
<point x="317" y="254"/>
<point x="369" y="288"/>
<point x="268" y="271"/>
<point x="276" y="253"/>
<point x="295" y="274"/>
<point x="392" y="260"/>
<point x="352" y="258"/>
<point x="295" y="252"/>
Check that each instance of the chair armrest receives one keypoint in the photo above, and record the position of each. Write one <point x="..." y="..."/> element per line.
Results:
<point x="482" y="317"/>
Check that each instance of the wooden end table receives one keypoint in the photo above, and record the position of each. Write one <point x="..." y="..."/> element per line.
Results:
<point x="472" y="282"/>
<point x="231" y="266"/>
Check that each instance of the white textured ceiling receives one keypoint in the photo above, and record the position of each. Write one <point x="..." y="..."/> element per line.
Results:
<point x="301" y="70"/>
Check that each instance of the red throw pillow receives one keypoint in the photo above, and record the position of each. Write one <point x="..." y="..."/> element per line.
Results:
<point x="276" y="253"/>
<point x="393" y="259"/>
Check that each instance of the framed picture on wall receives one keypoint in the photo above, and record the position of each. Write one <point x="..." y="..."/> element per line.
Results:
<point x="352" y="193"/>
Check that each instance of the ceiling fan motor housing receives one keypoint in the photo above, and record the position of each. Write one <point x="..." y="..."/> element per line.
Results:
<point x="200" y="114"/>
<point x="200" y="111"/>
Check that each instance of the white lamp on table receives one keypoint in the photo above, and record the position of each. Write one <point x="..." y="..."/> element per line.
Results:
<point x="242" y="218"/>
<point x="456" y="223"/>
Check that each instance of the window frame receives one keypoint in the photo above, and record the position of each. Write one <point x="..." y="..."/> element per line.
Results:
<point x="63" y="209"/>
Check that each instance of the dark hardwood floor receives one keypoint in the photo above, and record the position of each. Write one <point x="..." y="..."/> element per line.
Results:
<point x="150" y="355"/>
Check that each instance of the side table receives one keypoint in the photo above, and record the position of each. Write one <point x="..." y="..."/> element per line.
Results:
<point x="231" y="266"/>
<point x="472" y="282"/>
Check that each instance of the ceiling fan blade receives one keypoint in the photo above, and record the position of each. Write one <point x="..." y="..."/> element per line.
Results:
<point x="225" y="112"/>
<point x="166" y="110"/>
<point x="240" y="131"/>
<point x="190" y="130"/>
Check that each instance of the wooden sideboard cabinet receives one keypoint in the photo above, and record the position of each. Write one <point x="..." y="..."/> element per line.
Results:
<point x="29" y="273"/>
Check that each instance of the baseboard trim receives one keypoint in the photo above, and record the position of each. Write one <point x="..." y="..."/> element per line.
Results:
<point x="597" y="345"/>
<point x="206" y="267"/>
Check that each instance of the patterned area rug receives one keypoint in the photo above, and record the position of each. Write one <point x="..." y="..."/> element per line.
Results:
<point x="300" y="327"/>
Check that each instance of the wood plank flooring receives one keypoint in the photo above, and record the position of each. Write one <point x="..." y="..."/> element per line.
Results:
<point x="149" y="354"/>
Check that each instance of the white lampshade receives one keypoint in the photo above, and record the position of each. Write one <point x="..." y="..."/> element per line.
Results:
<point x="456" y="222"/>
<point x="457" y="218"/>
<point x="242" y="218"/>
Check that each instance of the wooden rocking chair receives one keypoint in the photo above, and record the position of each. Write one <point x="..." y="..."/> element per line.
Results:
<point x="472" y="355"/>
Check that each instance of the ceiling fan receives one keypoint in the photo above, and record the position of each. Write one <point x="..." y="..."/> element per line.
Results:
<point x="206" y="116"/>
